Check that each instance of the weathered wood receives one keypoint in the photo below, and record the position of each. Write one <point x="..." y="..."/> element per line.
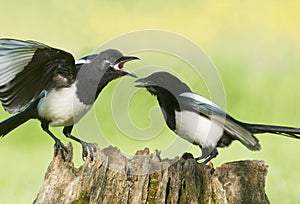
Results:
<point x="112" y="178"/>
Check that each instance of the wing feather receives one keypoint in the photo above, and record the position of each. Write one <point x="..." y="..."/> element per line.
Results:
<point x="27" y="68"/>
<point x="207" y="108"/>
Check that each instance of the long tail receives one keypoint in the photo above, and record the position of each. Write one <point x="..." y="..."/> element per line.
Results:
<point x="279" y="130"/>
<point x="13" y="122"/>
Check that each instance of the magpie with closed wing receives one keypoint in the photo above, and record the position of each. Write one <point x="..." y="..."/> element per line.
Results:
<point x="45" y="83"/>
<point x="201" y="122"/>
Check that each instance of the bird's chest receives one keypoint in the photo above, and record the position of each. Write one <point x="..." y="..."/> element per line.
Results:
<point x="62" y="107"/>
<point x="197" y="129"/>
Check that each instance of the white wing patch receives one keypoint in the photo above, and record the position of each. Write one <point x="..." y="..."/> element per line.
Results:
<point x="14" y="56"/>
<point x="198" y="98"/>
<point x="220" y="119"/>
<point x="10" y="67"/>
<point x="83" y="61"/>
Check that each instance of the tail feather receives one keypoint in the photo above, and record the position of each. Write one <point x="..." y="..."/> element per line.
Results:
<point x="13" y="122"/>
<point x="241" y="133"/>
<point x="280" y="130"/>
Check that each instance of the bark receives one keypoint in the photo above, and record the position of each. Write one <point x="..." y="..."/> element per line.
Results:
<point x="145" y="178"/>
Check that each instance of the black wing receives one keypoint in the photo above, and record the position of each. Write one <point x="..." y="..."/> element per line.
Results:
<point x="27" y="68"/>
<point x="234" y="128"/>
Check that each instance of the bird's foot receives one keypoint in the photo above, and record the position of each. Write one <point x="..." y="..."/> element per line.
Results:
<point x="205" y="161"/>
<point x="60" y="147"/>
<point x="208" y="158"/>
<point x="88" y="149"/>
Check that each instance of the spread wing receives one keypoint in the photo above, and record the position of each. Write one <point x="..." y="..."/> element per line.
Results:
<point x="205" y="107"/>
<point x="27" y="68"/>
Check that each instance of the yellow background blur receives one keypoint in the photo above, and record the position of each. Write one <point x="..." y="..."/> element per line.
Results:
<point x="255" y="46"/>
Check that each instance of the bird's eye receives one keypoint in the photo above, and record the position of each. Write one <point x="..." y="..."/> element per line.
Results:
<point x="108" y="63"/>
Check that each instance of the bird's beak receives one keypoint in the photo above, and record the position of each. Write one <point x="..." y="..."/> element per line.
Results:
<point x="142" y="82"/>
<point x="119" y="65"/>
<point x="146" y="83"/>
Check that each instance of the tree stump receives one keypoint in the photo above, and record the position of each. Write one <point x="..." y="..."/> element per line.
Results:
<point x="113" y="178"/>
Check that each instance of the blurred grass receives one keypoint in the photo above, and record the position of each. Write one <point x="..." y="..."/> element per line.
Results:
<point x="254" y="45"/>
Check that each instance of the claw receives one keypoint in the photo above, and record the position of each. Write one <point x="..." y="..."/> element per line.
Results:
<point x="88" y="149"/>
<point x="212" y="155"/>
<point x="60" y="147"/>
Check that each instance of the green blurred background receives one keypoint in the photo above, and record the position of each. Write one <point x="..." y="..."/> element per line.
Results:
<point x="254" y="45"/>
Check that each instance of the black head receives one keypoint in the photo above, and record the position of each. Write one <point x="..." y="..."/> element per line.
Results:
<point x="109" y="61"/>
<point x="167" y="88"/>
<point x="96" y="71"/>
<point x="163" y="82"/>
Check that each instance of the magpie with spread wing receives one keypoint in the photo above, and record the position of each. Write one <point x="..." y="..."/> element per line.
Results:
<point x="45" y="83"/>
<point x="201" y="122"/>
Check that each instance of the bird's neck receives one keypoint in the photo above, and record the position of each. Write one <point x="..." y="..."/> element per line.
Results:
<point x="91" y="82"/>
<point x="107" y="77"/>
<point x="168" y="105"/>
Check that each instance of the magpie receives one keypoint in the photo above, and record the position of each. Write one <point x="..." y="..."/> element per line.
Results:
<point x="45" y="83"/>
<point x="200" y="121"/>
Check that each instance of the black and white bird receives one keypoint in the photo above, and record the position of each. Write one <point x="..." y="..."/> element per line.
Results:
<point x="41" y="82"/>
<point x="201" y="122"/>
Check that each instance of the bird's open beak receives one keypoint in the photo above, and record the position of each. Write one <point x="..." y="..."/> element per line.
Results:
<point x="119" y="65"/>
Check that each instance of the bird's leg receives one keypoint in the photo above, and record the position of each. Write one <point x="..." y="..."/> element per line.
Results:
<point x="212" y="155"/>
<point x="209" y="152"/>
<point x="87" y="148"/>
<point x="58" y="146"/>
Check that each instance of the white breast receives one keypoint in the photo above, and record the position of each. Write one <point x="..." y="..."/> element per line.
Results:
<point x="197" y="129"/>
<point x="62" y="107"/>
